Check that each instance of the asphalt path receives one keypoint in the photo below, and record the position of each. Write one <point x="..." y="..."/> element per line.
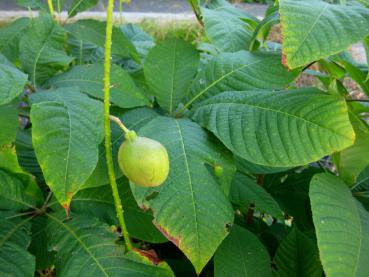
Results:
<point x="145" y="6"/>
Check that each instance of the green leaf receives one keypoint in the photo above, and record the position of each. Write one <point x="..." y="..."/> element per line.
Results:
<point x="10" y="36"/>
<point x="67" y="128"/>
<point x="190" y="208"/>
<point x="42" y="49"/>
<point x="361" y="189"/>
<point x="245" y="191"/>
<point x="359" y="76"/>
<point x="352" y="161"/>
<point x="241" y="254"/>
<point x="32" y="4"/>
<point x="315" y="29"/>
<point x="140" y="39"/>
<point x="94" y="32"/>
<point x="86" y="245"/>
<point x="99" y="202"/>
<point x="292" y="194"/>
<point x="278" y="129"/>
<point x="240" y="71"/>
<point x="80" y="6"/>
<point x="169" y="69"/>
<point x="248" y="167"/>
<point x="89" y="79"/>
<point x="8" y="124"/>
<point x="341" y="226"/>
<point x="26" y="154"/>
<point x="5" y="61"/>
<point x="12" y="83"/>
<point x="297" y="256"/>
<point x="18" y="192"/>
<point x="14" y="240"/>
<point x="227" y="31"/>
<point x="39" y="247"/>
<point x="8" y="158"/>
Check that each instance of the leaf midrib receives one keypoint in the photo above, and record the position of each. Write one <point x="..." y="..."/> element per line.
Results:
<point x="173" y="77"/>
<point x="40" y="51"/>
<point x="280" y="112"/>
<point x="13" y="37"/>
<point x="220" y="79"/>
<point x="189" y="182"/>
<point x="84" y="246"/>
<point x="13" y="230"/>
<point x="310" y="31"/>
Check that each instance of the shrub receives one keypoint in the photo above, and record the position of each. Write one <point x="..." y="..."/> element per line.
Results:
<point x="264" y="178"/>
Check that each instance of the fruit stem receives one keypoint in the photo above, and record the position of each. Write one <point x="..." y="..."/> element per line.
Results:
<point x="51" y="7"/>
<point x="119" y="123"/>
<point x="107" y="130"/>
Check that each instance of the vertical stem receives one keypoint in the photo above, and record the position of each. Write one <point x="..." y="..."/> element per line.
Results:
<point x="51" y="7"/>
<point x="108" y="149"/>
<point x="121" y="11"/>
<point x="196" y="10"/>
<point x="59" y="8"/>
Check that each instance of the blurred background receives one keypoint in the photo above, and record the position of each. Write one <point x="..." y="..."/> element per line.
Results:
<point x="172" y="6"/>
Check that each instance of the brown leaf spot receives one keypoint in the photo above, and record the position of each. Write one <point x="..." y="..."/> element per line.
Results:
<point x="176" y="241"/>
<point x="284" y="60"/>
<point x="150" y="254"/>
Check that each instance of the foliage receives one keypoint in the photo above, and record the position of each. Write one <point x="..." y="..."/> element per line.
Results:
<point x="266" y="178"/>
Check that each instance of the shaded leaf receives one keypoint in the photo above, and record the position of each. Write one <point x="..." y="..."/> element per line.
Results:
<point x="94" y="32"/>
<point x="245" y="191"/>
<point x="42" y="49"/>
<point x="298" y="256"/>
<point x="352" y="161"/>
<point x="99" y="202"/>
<point x="86" y="245"/>
<point x="26" y="154"/>
<point x="247" y="167"/>
<point x="39" y="247"/>
<point x="140" y="39"/>
<point x="14" y="240"/>
<point x="80" y="6"/>
<point x="227" y="31"/>
<point x="241" y="254"/>
<point x="169" y="69"/>
<point x="12" y="83"/>
<point x="18" y="192"/>
<point x="10" y="37"/>
<point x="89" y="79"/>
<point x="8" y="124"/>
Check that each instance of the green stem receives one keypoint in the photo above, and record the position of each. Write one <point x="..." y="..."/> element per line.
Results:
<point x="51" y="7"/>
<point x="196" y="10"/>
<point x="121" y="11"/>
<point x="108" y="149"/>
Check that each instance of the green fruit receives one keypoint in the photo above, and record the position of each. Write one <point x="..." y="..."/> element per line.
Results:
<point x="144" y="161"/>
<point x="218" y="170"/>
